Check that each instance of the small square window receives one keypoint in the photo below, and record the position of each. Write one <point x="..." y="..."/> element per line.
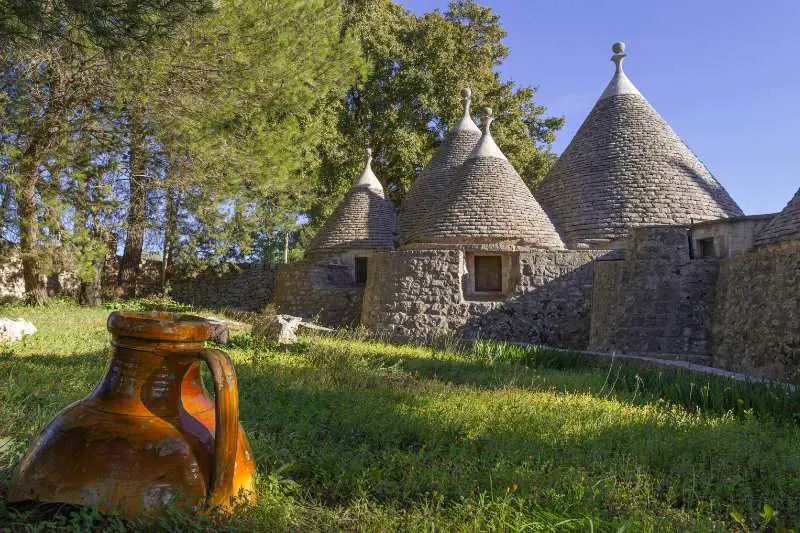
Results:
<point x="488" y="273"/>
<point x="705" y="247"/>
<point x="361" y="270"/>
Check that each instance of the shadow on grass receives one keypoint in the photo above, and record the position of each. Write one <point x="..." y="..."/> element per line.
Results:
<point x="581" y="455"/>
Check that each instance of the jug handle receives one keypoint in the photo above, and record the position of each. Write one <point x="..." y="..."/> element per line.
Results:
<point x="226" y="432"/>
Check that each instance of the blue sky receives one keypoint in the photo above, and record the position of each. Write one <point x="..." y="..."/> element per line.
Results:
<point x="724" y="74"/>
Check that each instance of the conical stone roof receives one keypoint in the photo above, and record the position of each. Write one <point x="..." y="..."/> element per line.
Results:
<point x="627" y="167"/>
<point x="785" y="226"/>
<point x="364" y="219"/>
<point x="435" y="183"/>
<point x="487" y="201"/>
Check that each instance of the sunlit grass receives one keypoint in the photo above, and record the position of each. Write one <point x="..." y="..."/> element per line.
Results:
<point x="355" y="434"/>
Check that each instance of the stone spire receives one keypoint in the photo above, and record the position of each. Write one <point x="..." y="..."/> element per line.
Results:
<point x="364" y="219"/>
<point x="434" y="183"/>
<point x="488" y="203"/>
<point x="626" y="167"/>
<point x="785" y="227"/>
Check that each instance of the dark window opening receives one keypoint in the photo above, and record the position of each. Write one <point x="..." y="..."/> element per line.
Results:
<point x="488" y="273"/>
<point x="706" y="247"/>
<point x="361" y="269"/>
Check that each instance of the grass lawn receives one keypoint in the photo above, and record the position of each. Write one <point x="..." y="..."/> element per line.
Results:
<point x="353" y="434"/>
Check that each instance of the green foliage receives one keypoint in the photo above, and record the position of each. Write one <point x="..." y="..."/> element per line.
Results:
<point x="237" y="122"/>
<point x="411" y="96"/>
<point x="368" y="436"/>
<point x="248" y="94"/>
<point x="108" y="24"/>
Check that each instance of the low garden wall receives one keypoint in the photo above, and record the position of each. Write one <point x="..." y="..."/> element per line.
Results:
<point x="325" y="292"/>
<point x="247" y="287"/>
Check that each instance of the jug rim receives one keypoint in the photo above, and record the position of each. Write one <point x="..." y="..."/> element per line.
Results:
<point x="159" y="325"/>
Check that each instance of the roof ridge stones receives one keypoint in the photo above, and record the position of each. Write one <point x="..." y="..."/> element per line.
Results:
<point x="488" y="202"/>
<point x="784" y="227"/>
<point x="626" y="167"/>
<point x="364" y="219"/>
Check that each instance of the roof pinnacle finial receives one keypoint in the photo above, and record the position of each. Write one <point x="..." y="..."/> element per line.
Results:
<point x="488" y="118"/>
<point x="619" y="54"/>
<point x="466" y="123"/>
<point x="486" y="146"/>
<point x="466" y="93"/>
<point x="368" y="177"/>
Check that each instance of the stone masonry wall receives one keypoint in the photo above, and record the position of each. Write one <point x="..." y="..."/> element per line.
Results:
<point x="757" y="319"/>
<point x="656" y="300"/>
<point x="419" y="294"/>
<point x="249" y="287"/>
<point x="321" y="291"/>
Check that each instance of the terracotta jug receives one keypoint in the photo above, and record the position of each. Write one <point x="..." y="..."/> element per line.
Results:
<point x="148" y="434"/>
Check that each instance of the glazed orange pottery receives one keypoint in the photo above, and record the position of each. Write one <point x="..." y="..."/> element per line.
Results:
<point x="148" y="435"/>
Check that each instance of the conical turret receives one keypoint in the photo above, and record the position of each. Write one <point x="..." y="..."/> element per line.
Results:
<point x="365" y="218"/>
<point x="626" y="167"/>
<point x="434" y="183"/>
<point x="488" y="203"/>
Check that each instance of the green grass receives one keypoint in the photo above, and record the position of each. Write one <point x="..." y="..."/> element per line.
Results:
<point x="353" y="434"/>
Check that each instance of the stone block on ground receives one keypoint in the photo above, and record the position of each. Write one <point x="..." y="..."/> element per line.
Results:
<point x="278" y="328"/>
<point x="14" y="330"/>
<point x="220" y="333"/>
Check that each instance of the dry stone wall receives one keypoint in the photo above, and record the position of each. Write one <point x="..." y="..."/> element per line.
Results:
<point x="248" y="287"/>
<point x="757" y="319"/>
<point x="418" y="294"/>
<point x="656" y="300"/>
<point x="319" y="291"/>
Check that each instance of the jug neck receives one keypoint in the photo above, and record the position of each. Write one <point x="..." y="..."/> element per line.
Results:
<point x="151" y="378"/>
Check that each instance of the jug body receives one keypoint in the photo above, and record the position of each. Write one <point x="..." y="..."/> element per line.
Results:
<point x="146" y="436"/>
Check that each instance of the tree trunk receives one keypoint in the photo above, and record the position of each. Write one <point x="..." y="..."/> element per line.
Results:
<point x="132" y="256"/>
<point x="170" y="230"/>
<point x="27" y="210"/>
<point x="5" y="205"/>
<point x="89" y="290"/>
<point x="286" y="246"/>
<point x="35" y="288"/>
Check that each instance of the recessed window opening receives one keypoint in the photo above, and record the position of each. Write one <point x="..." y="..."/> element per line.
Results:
<point x="705" y="247"/>
<point x="488" y="273"/>
<point x="361" y="270"/>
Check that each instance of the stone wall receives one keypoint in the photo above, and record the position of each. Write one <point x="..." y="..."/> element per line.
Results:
<point x="419" y="294"/>
<point x="656" y="300"/>
<point x="325" y="292"/>
<point x="247" y="287"/>
<point x="757" y="318"/>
